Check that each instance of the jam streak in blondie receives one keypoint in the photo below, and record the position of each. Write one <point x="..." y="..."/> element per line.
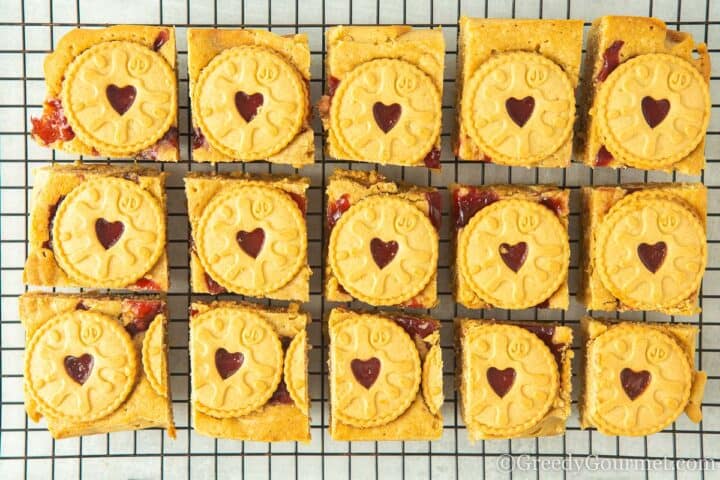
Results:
<point x="468" y="204"/>
<point x="611" y="60"/>
<point x="52" y="126"/>
<point x="198" y="139"/>
<point x="332" y="85"/>
<point x="281" y="394"/>
<point x="326" y="100"/>
<point x="300" y="200"/>
<point x="170" y="139"/>
<point x="416" y="326"/>
<point x="147" y="284"/>
<point x="142" y="312"/>
<point x="336" y="209"/>
<point x="213" y="287"/>
<point x="51" y="219"/>
<point x="434" y="208"/>
<point x="546" y="333"/>
<point x="160" y="40"/>
<point x="432" y="159"/>
<point x="553" y="204"/>
<point x="81" y="306"/>
<point x="603" y="158"/>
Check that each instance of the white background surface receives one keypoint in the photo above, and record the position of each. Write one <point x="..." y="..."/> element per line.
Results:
<point x="29" y="30"/>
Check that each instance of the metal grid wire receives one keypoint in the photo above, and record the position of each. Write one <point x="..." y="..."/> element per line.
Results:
<point x="28" y="31"/>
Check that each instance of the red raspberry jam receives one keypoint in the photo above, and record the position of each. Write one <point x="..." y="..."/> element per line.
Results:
<point x="300" y="200"/>
<point x="386" y="116"/>
<point x="143" y="312"/>
<point x="603" y="158"/>
<point x="121" y="98"/>
<point x="366" y="371"/>
<point x="52" y="126"/>
<point x="228" y="363"/>
<point x="501" y="381"/>
<point x="545" y="333"/>
<point x="108" y="233"/>
<point x="471" y="202"/>
<point x="170" y="139"/>
<point x="654" y="110"/>
<point x="212" y="286"/>
<point x="336" y="209"/>
<point x="383" y="252"/>
<point x="248" y="105"/>
<point x="79" y="368"/>
<point x="416" y="326"/>
<point x="520" y="109"/>
<point x="432" y="159"/>
<point x="332" y="85"/>
<point x="147" y="284"/>
<point x="161" y="39"/>
<point x="611" y="59"/>
<point x="415" y="302"/>
<point x="198" y="139"/>
<point x="51" y="219"/>
<point x="434" y="200"/>
<point x="514" y="256"/>
<point x="634" y="383"/>
<point x="81" y="306"/>
<point x="281" y="394"/>
<point x="543" y="304"/>
<point x="553" y="204"/>
<point x="251" y="242"/>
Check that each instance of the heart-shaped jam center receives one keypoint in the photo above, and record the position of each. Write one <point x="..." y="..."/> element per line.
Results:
<point x="652" y="256"/>
<point x="383" y="252"/>
<point x="520" y="109"/>
<point x="79" y="368"/>
<point x="655" y="111"/>
<point x="121" y="99"/>
<point x="514" y="256"/>
<point x="108" y="233"/>
<point x="228" y="363"/>
<point x="248" y="105"/>
<point x="386" y="116"/>
<point x="365" y="371"/>
<point x="501" y="381"/>
<point x="634" y="383"/>
<point x="251" y="242"/>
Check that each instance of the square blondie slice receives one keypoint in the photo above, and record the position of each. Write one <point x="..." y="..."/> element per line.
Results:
<point x="645" y="97"/>
<point x="386" y="376"/>
<point x="249" y="235"/>
<point x="98" y="226"/>
<point x="112" y="92"/>
<point x="250" y="95"/>
<point x="249" y="372"/>
<point x="639" y="377"/>
<point x="644" y="247"/>
<point x="514" y="379"/>
<point x="516" y="84"/>
<point x="383" y="246"/>
<point x="96" y="364"/>
<point x="384" y="94"/>
<point x="511" y="246"/>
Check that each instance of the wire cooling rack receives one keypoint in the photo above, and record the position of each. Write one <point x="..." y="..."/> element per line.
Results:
<point x="28" y="31"/>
